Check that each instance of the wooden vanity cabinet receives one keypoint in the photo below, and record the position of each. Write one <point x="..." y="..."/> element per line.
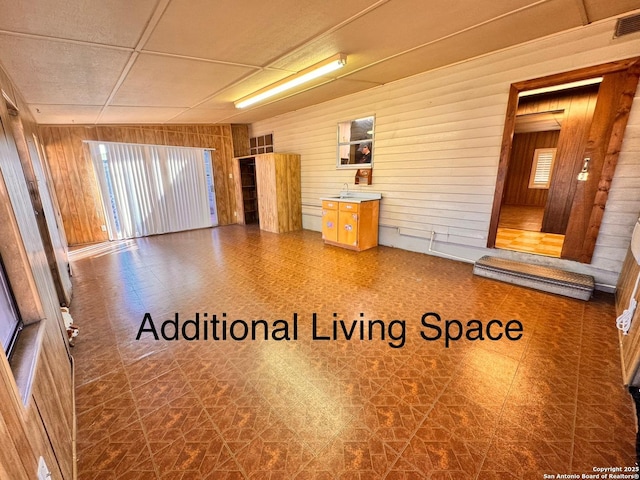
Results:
<point x="352" y="225"/>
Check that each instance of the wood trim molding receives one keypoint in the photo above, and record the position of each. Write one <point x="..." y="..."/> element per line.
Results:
<point x="610" y="161"/>
<point x="576" y="75"/>
<point x="505" y="155"/>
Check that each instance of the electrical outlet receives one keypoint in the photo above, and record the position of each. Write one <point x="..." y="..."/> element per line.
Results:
<point x="103" y="227"/>
<point x="43" y="470"/>
<point x="231" y="175"/>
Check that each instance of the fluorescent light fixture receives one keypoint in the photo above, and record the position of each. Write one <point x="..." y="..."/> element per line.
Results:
<point x="327" y="66"/>
<point x="564" y="86"/>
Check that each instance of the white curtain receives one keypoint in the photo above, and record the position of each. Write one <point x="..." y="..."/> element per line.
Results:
<point x="151" y="189"/>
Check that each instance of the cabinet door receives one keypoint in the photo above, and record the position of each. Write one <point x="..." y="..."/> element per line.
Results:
<point x="330" y="225"/>
<point x="348" y="228"/>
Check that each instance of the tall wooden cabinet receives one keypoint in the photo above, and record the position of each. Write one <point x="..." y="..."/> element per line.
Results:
<point x="277" y="182"/>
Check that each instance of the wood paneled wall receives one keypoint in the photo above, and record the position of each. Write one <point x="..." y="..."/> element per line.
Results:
<point x="630" y="343"/>
<point x="578" y="111"/>
<point x="44" y="425"/>
<point x="517" y="191"/>
<point x="76" y="187"/>
<point x="240" y="134"/>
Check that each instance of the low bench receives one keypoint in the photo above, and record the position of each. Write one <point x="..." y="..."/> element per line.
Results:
<point x="547" y="279"/>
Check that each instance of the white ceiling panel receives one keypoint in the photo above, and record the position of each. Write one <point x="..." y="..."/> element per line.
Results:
<point x="396" y="27"/>
<point x="117" y="114"/>
<point x="599" y="9"/>
<point x="110" y="22"/>
<point x="205" y="115"/>
<point x="65" y="113"/>
<point x="162" y="81"/>
<point x="157" y="61"/>
<point x="253" y="32"/>
<point x="498" y="34"/>
<point x="59" y="73"/>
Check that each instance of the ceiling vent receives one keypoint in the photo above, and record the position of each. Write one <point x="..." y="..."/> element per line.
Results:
<point x="627" y="25"/>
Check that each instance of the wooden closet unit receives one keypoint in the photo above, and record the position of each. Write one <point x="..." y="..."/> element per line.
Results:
<point x="279" y="202"/>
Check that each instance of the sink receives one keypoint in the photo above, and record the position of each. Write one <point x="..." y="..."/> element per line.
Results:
<point x="354" y="196"/>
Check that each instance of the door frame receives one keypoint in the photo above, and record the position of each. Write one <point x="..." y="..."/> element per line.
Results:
<point x="629" y="66"/>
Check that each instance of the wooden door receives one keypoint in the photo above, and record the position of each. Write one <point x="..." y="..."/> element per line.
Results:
<point x="602" y="148"/>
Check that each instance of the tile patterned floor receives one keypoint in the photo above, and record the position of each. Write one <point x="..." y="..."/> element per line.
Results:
<point x="551" y="402"/>
<point x="549" y="244"/>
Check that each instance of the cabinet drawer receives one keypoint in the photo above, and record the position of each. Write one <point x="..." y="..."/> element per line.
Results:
<point x="349" y="207"/>
<point x="329" y="205"/>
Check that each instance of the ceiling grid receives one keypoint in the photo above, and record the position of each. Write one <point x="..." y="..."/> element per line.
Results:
<point x="187" y="61"/>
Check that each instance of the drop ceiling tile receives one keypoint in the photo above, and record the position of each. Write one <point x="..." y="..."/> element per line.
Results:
<point x="161" y="81"/>
<point x="384" y="41"/>
<point x="51" y="72"/>
<point x="252" y="32"/>
<point x="515" y="29"/>
<point x="393" y="28"/>
<point x="205" y="115"/>
<point x="135" y="115"/>
<point x="116" y="22"/>
<point x="65" y="114"/>
<point x="598" y="10"/>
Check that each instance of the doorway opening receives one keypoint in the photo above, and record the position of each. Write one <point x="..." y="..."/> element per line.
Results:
<point x="549" y="133"/>
<point x="560" y="147"/>
<point x="249" y="190"/>
<point x="211" y="189"/>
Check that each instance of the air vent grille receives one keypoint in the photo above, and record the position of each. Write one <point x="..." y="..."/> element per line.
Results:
<point x="627" y="25"/>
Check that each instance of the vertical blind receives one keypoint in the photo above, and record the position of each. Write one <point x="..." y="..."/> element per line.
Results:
<point x="151" y="189"/>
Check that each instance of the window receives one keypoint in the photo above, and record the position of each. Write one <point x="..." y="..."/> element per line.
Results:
<point x="262" y="144"/>
<point x="542" y="168"/>
<point x="355" y="143"/>
<point x="10" y="323"/>
<point x="151" y="189"/>
<point x="211" y="188"/>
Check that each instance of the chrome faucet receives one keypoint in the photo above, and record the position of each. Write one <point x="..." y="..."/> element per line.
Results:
<point x="346" y="185"/>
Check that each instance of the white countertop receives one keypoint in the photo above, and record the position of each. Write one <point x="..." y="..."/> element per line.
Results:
<point x="355" y="197"/>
